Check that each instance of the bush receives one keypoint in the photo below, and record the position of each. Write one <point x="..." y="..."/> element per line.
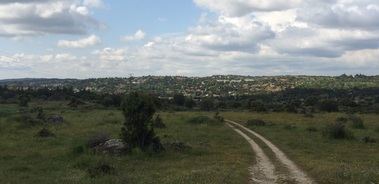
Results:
<point x="138" y="129"/>
<point x="23" y="100"/>
<point x="356" y="122"/>
<point x="256" y="122"/>
<point x="74" y="103"/>
<point x="368" y="139"/>
<point x="337" y="130"/>
<point x="218" y="117"/>
<point x="202" y="120"/>
<point x="97" y="139"/>
<point x="329" y="106"/>
<point x="101" y="169"/>
<point x="178" y="146"/>
<point x="207" y="104"/>
<point x="45" y="133"/>
<point x="77" y="150"/>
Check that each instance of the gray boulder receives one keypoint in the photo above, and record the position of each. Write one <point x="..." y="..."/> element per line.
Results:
<point x="55" y="119"/>
<point x="112" y="146"/>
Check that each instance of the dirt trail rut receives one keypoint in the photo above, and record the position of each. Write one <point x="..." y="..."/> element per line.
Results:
<point x="263" y="171"/>
<point x="295" y="172"/>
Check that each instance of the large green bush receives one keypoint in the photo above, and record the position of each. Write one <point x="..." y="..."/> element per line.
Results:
<point x="138" y="129"/>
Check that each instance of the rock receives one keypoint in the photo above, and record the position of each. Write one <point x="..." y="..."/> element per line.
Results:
<point x="98" y="139"/>
<point x="56" y="119"/>
<point x="112" y="146"/>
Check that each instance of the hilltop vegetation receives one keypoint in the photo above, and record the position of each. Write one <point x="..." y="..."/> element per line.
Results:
<point x="214" y="86"/>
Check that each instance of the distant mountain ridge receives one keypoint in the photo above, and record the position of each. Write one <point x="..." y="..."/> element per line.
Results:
<point x="218" y="85"/>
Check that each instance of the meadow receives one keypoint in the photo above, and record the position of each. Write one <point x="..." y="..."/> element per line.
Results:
<point x="214" y="153"/>
<point x="326" y="160"/>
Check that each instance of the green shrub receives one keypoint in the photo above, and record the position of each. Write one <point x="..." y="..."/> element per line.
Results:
<point x="177" y="146"/>
<point x="368" y="139"/>
<point x="337" y="130"/>
<point x="256" y="122"/>
<point x="101" y="169"/>
<point x="218" y="117"/>
<point x="138" y="128"/>
<point x="77" y="150"/>
<point x="202" y="120"/>
<point x="45" y="133"/>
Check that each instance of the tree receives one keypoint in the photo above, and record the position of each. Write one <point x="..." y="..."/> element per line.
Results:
<point x="23" y="100"/>
<point x="258" y="106"/>
<point x="138" y="130"/>
<point x="329" y="106"/>
<point x="179" y="99"/>
<point x="189" y="103"/>
<point x="207" y="104"/>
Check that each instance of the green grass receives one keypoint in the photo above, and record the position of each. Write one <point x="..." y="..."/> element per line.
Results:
<point x="217" y="154"/>
<point x="326" y="160"/>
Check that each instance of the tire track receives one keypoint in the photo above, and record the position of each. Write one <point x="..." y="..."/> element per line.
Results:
<point x="263" y="170"/>
<point x="295" y="172"/>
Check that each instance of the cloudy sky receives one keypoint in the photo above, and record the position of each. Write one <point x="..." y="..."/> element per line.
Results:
<point x="113" y="38"/>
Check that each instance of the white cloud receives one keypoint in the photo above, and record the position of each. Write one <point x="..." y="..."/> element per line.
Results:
<point x="230" y="34"/>
<point x="346" y="14"/>
<point x="111" y="54"/>
<point x="243" y="7"/>
<point x="93" y="3"/>
<point x="247" y="37"/>
<point x="139" y="35"/>
<point x="41" y="17"/>
<point x="81" y="43"/>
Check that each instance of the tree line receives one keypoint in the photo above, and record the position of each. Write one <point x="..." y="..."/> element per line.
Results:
<point x="294" y="100"/>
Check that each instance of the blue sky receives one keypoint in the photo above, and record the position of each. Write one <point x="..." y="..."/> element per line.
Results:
<point x="109" y="38"/>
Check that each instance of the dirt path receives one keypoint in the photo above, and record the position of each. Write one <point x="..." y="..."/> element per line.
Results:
<point x="295" y="172"/>
<point x="263" y="170"/>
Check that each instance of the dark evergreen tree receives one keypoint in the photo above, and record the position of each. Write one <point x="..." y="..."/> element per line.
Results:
<point x="138" y="130"/>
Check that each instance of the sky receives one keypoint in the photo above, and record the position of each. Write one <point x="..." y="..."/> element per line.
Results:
<point x="113" y="38"/>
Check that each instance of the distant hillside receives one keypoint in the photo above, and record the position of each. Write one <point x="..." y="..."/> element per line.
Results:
<point x="229" y="85"/>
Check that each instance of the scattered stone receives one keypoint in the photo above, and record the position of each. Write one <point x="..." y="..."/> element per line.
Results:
<point x="55" y="119"/>
<point x="98" y="139"/>
<point x="112" y="146"/>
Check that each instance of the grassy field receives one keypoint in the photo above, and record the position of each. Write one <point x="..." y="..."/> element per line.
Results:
<point x="217" y="154"/>
<point x="326" y="160"/>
